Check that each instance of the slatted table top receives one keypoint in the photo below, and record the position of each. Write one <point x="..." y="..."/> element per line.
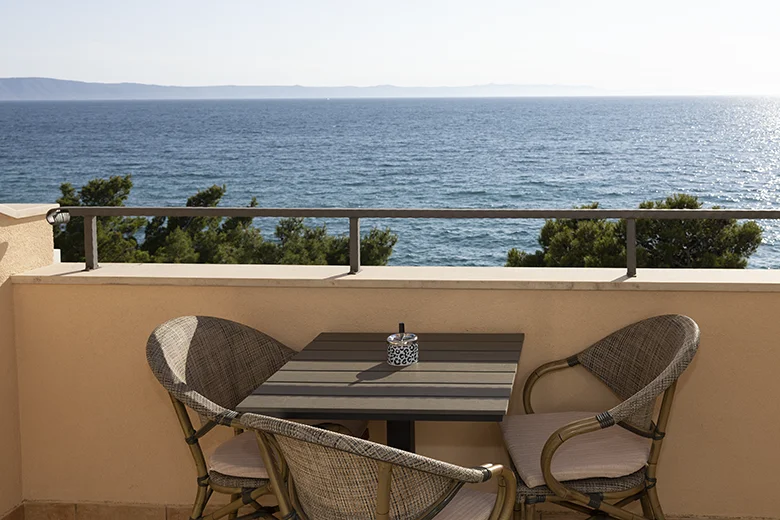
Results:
<point x="459" y="377"/>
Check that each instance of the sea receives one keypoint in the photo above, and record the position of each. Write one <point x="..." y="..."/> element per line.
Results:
<point x="409" y="153"/>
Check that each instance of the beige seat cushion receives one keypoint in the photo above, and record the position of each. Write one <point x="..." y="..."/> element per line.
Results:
<point x="610" y="453"/>
<point x="239" y="457"/>
<point x="469" y="504"/>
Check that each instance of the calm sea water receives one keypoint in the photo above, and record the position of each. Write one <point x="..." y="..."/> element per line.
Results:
<point x="468" y="153"/>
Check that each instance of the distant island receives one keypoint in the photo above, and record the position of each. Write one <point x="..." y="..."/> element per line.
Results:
<point x="48" y="89"/>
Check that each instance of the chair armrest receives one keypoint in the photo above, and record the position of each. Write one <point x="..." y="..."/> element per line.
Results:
<point x="556" y="440"/>
<point x="552" y="366"/>
<point x="507" y="491"/>
<point x="503" y="508"/>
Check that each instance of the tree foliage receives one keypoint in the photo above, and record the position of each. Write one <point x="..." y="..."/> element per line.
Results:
<point x="231" y="240"/>
<point x="116" y="236"/>
<point x="721" y="243"/>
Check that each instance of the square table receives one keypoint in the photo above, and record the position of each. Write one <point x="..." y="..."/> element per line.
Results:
<point x="459" y="377"/>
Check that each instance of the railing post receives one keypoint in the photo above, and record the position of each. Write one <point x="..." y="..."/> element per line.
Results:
<point x="354" y="245"/>
<point x="631" y="247"/>
<point x="90" y="243"/>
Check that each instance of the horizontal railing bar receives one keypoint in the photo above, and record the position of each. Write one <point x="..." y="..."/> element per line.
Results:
<point x="392" y="213"/>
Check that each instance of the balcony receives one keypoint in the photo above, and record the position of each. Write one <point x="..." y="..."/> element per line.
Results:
<point x="88" y="433"/>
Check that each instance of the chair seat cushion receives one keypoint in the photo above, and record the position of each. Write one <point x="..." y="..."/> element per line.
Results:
<point x="239" y="457"/>
<point x="609" y="453"/>
<point x="469" y="504"/>
<point x="586" y="486"/>
<point x="226" y="481"/>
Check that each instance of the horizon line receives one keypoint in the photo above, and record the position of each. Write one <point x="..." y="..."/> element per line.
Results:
<point x="595" y="92"/>
<point x="298" y="85"/>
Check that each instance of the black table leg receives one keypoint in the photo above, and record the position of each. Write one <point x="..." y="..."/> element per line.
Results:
<point x="400" y="434"/>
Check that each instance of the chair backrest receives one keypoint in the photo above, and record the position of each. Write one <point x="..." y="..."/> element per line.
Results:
<point x="336" y="476"/>
<point x="647" y="356"/>
<point x="197" y="357"/>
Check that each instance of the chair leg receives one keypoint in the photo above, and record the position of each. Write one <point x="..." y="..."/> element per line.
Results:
<point x="529" y="512"/>
<point x="652" y="495"/>
<point x="234" y="514"/>
<point x="518" y="512"/>
<point x="647" y="509"/>
<point x="200" y="503"/>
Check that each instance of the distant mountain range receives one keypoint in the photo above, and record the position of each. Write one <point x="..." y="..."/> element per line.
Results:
<point x="47" y="89"/>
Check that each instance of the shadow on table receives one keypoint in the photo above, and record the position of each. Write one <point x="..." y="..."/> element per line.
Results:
<point x="376" y="372"/>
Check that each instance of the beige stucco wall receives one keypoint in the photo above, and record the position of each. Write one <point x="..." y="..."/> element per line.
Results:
<point x="25" y="243"/>
<point x="96" y="426"/>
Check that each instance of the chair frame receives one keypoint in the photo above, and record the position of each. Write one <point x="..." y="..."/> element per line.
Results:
<point x="206" y="488"/>
<point x="609" y="504"/>
<point x="284" y="487"/>
<point x="184" y="397"/>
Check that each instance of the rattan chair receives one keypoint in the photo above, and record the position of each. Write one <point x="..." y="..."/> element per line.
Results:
<point x="597" y="463"/>
<point x="210" y="365"/>
<point x="324" y="475"/>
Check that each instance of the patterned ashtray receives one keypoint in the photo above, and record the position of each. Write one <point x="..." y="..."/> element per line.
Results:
<point x="402" y="349"/>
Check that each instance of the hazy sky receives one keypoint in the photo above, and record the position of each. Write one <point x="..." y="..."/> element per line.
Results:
<point x="659" y="46"/>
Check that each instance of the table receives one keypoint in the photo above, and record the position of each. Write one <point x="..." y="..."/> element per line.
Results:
<point x="459" y="377"/>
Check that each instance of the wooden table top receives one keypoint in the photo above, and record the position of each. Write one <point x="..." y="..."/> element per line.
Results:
<point x="459" y="377"/>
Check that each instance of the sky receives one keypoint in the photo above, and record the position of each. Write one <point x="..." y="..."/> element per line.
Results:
<point x="626" y="46"/>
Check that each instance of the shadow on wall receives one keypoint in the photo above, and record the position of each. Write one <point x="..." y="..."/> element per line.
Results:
<point x="3" y="249"/>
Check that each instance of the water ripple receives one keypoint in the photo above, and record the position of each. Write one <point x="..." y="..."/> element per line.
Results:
<point x="477" y="153"/>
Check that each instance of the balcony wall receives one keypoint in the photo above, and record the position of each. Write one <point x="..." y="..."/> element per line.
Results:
<point x="25" y="243"/>
<point x="97" y="427"/>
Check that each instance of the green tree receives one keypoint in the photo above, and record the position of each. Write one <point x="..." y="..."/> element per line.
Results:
<point x="299" y="244"/>
<point x="573" y="243"/>
<point x="205" y="239"/>
<point x="242" y="243"/>
<point x="177" y="248"/>
<point x="722" y="243"/>
<point x="203" y="232"/>
<point x="116" y="236"/>
<point x="375" y="248"/>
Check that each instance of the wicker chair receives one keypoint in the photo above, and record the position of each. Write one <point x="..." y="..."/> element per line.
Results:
<point x="610" y="467"/>
<point x="210" y="365"/>
<point x="324" y="475"/>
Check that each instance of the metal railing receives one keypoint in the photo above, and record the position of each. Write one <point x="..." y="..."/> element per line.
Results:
<point x="90" y="214"/>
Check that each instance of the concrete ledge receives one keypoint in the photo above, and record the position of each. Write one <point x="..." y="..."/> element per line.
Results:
<point x="564" y="279"/>
<point x="19" y="211"/>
